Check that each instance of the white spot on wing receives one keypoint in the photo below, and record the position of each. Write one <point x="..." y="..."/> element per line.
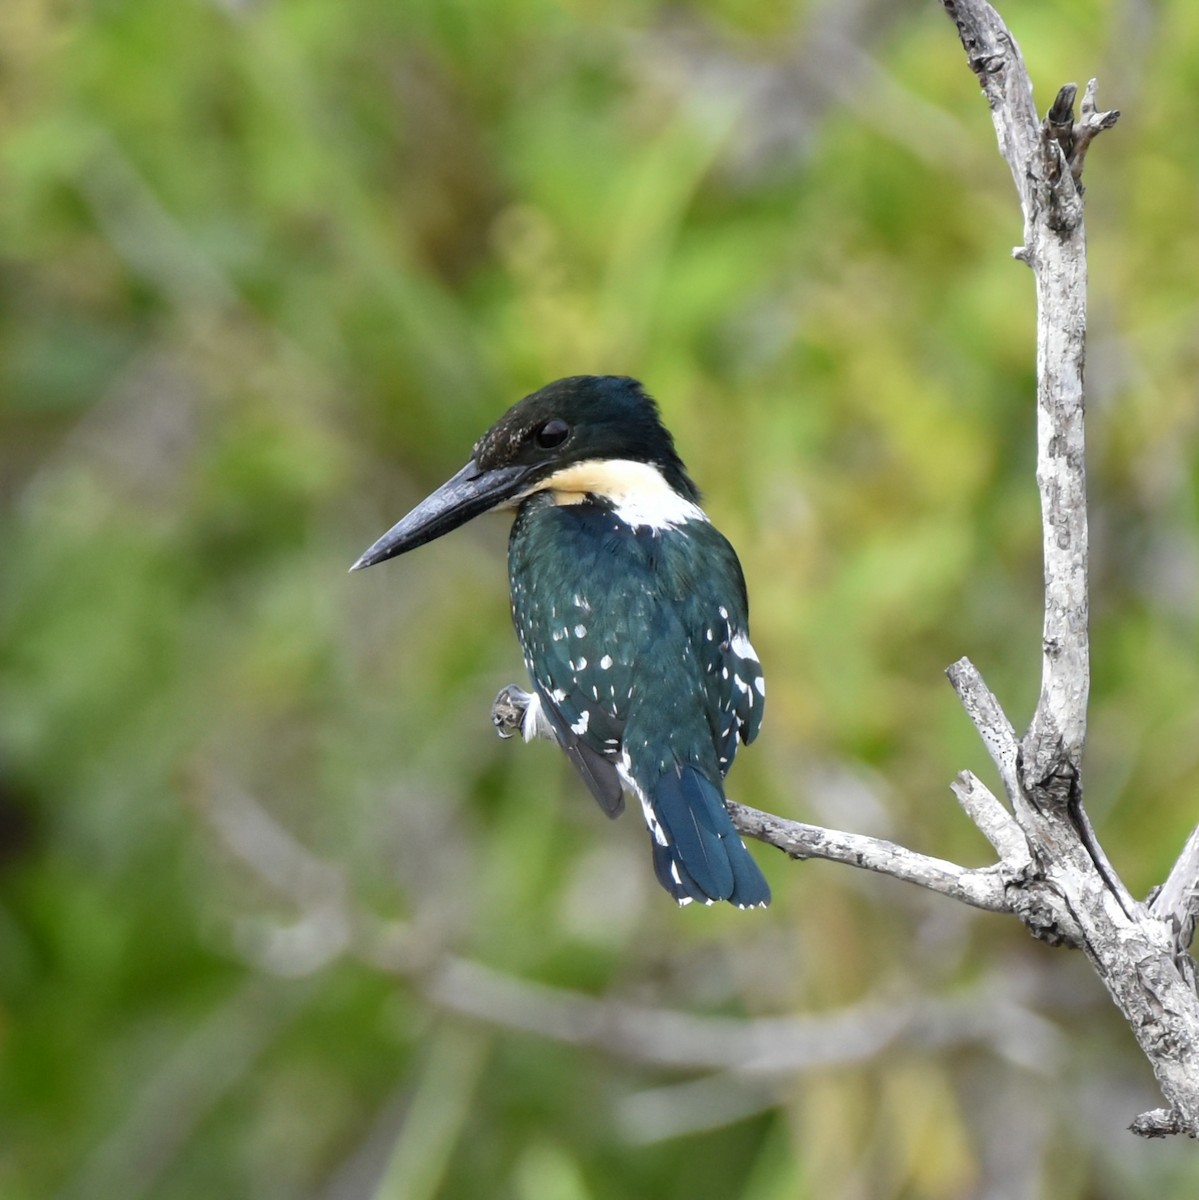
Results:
<point x="605" y="662"/>
<point x="580" y="726"/>
<point x="741" y="647"/>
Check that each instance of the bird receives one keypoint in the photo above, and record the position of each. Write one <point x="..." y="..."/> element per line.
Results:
<point x="631" y="611"/>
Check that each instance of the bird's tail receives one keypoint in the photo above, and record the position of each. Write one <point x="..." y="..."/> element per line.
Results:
<point x="698" y="855"/>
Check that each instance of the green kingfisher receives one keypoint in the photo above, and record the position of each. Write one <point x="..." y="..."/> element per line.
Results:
<point x="632" y="613"/>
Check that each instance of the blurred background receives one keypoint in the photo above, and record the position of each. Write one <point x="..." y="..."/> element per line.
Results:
<point x="279" y="915"/>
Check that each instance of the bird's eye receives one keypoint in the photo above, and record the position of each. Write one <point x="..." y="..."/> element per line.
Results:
<point x="553" y="433"/>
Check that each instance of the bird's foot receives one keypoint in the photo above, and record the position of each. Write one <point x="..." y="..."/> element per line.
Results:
<point x="508" y="711"/>
<point x="517" y="711"/>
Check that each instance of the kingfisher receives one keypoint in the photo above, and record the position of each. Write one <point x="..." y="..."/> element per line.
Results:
<point x="631" y="611"/>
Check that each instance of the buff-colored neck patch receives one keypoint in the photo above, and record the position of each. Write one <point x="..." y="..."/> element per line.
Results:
<point x="636" y="490"/>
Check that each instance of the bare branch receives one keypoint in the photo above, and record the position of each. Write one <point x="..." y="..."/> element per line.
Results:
<point x="990" y="720"/>
<point x="1091" y="123"/>
<point x="1060" y="119"/>
<point x="1054" y="245"/>
<point x="979" y="887"/>
<point x="1159" y="1123"/>
<point x="994" y="821"/>
<point x="995" y="59"/>
<point x="1133" y="953"/>
<point x="1177" y="900"/>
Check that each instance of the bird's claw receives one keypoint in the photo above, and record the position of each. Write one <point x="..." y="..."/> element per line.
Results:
<point x="508" y="710"/>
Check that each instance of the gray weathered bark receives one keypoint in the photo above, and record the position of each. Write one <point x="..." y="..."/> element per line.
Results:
<point x="1134" y="951"/>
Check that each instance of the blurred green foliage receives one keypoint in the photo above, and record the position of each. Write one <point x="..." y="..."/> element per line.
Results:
<point x="266" y="270"/>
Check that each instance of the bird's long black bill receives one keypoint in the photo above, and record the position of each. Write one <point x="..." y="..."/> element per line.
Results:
<point x="471" y="492"/>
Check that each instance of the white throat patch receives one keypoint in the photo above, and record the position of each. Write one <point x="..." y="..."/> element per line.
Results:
<point x="637" y="491"/>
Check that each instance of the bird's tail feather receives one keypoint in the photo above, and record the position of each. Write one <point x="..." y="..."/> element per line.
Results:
<point x="704" y="857"/>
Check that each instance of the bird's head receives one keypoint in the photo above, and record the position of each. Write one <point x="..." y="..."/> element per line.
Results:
<point x="585" y="435"/>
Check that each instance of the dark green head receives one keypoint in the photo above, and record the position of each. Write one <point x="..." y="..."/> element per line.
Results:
<point x="587" y="433"/>
<point x="584" y="418"/>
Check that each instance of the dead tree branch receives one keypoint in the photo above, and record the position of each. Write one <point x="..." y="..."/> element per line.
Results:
<point x="1133" y="951"/>
<point x="1177" y="900"/>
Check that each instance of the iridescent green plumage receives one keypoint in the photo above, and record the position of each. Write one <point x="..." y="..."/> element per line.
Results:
<point x="629" y="636"/>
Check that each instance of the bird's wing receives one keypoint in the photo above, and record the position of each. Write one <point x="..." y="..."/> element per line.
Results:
<point x="577" y="681"/>
<point x="718" y="629"/>
<point x="595" y="762"/>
